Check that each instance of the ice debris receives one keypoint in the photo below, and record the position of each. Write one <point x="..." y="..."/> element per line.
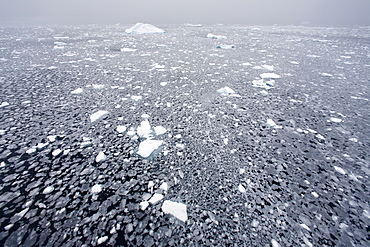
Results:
<point x="146" y="147"/>
<point x="263" y="84"/>
<point x="225" y="46"/>
<point x="77" y="91"/>
<point x="226" y="91"/>
<point x="271" y="123"/>
<point x="159" y="130"/>
<point x="178" y="210"/>
<point x="102" y="240"/>
<point x="128" y="50"/>
<point x="274" y="243"/>
<point x="97" y="188"/>
<point x="212" y="36"/>
<point x="141" y="28"/>
<point x="268" y="68"/>
<point x="270" y="76"/>
<point x="156" y="198"/>
<point x="144" y="205"/>
<point x="98" y="115"/>
<point x="48" y="190"/>
<point x="335" y="120"/>
<point x="4" y="104"/>
<point x="241" y="188"/>
<point x="98" y="86"/>
<point x="136" y="98"/>
<point x="121" y="128"/>
<point x="340" y="170"/>
<point x="100" y="157"/>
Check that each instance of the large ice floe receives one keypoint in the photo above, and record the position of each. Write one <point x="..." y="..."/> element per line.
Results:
<point x="226" y="91"/>
<point x="143" y="28"/>
<point x="176" y="209"/>
<point x="212" y="36"/>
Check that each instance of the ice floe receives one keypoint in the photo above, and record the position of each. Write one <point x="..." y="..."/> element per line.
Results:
<point x="128" y="50"/>
<point x="226" y="91"/>
<point x="102" y="240"/>
<point x="77" y="91"/>
<point x="226" y="47"/>
<point x="270" y="76"/>
<point x="268" y="68"/>
<point x="144" y="130"/>
<point x="147" y="147"/>
<point x="143" y="28"/>
<point x="159" y="130"/>
<point x="100" y="157"/>
<point x="136" y="98"/>
<point x="97" y="188"/>
<point x="98" y="86"/>
<point x="212" y="36"/>
<point x="48" y="190"/>
<point x="263" y="84"/>
<point x="121" y="128"/>
<point x="178" y="210"/>
<point x="241" y="188"/>
<point x="156" y="198"/>
<point x="98" y="115"/>
<point x="144" y="205"/>
<point x="274" y="243"/>
<point x="340" y="170"/>
<point x="335" y="120"/>
<point x="4" y="104"/>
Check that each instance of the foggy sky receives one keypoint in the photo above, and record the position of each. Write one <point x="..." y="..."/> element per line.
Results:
<point x="316" y="12"/>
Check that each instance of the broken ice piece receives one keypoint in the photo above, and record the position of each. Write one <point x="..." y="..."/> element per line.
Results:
<point x="226" y="91"/>
<point x="121" y="128"/>
<point x="271" y="123"/>
<point x="144" y="130"/>
<point x="144" y="205"/>
<point x="147" y="147"/>
<point x="96" y="188"/>
<point x="48" y="190"/>
<point x="156" y="198"/>
<point x="98" y="115"/>
<point x="225" y="46"/>
<point x="100" y="157"/>
<point x="102" y="240"/>
<point x="77" y="91"/>
<point x="335" y="120"/>
<point x="98" y="86"/>
<point x="4" y="104"/>
<point x="136" y="98"/>
<point x="274" y="243"/>
<point x="178" y="210"/>
<point x="159" y="130"/>
<point x="164" y="186"/>
<point x="145" y="116"/>
<point x="340" y="170"/>
<point x="128" y="50"/>
<point x="52" y="138"/>
<point x="268" y="68"/>
<point x="270" y="76"/>
<point x="56" y="152"/>
<point x="241" y="188"/>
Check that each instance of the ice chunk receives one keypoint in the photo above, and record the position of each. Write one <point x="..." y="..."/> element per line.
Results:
<point x="315" y="194"/>
<point x="226" y="91"/>
<point x="163" y="83"/>
<point x="271" y="123"/>
<point x="121" y="128"/>
<point x="102" y="240"/>
<point x="212" y="36"/>
<point x="4" y="104"/>
<point x="56" y="152"/>
<point x="128" y="50"/>
<point x="52" y="138"/>
<point x="159" y="130"/>
<point x="178" y="210"/>
<point x="241" y="188"/>
<point x="270" y="76"/>
<point x="193" y="25"/>
<point x="225" y="46"/>
<point x="77" y="91"/>
<point x="340" y="170"/>
<point x="246" y="64"/>
<point x="264" y="93"/>
<point x="144" y="205"/>
<point x="326" y="75"/>
<point x="48" y="190"/>
<point x="98" y="86"/>
<point x="136" y="98"/>
<point x="98" y="115"/>
<point x="145" y="116"/>
<point x="147" y="147"/>
<point x="156" y="198"/>
<point x="100" y="157"/>
<point x="262" y="84"/>
<point x="335" y="120"/>
<point x="31" y="150"/>
<point x="268" y="68"/>
<point x="97" y="188"/>
<point x="164" y="186"/>
<point x="275" y="243"/>
<point x="144" y="130"/>
<point x="141" y="28"/>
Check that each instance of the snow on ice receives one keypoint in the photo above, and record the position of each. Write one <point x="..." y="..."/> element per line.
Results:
<point x="141" y="28"/>
<point x="128" y="50"/>
<point x="121" y="128"/>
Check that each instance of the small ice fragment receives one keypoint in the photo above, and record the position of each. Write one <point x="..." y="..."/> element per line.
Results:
<point x="318" y="136"/>
<point x="274" y="243"/>
<point x="102" y="240"/>
<point x="241" y="188"/>
<point x="226" y="91"/>
<point x="98" y="115"/>
<point x="178" y="210"/>
<point x="246" y="64"/>
<point x="315" y="194"/>
<point x="270" y="76"/>
<point x="144" y="205"/>
<point x="98" y="86"/>
<point x="326" y="75"/>
<point x="255" y="223"/>
<point x="97" y="188"/>
<point x="335" y="120"/>
<point x="305" y="227"/>
<point x="264" y="93"/>
<point x="225" y="46"/>
<point x="56" y="152"/>
<point x="150" y="184"/>
<point x="262" y="84"/>
<point x="144" y="130"/>
<point x="226" y="141"/>
<point x="164" y="186"/>
<point x="8" y="227"/>
<point x="159" y="130"/>
<point x="307" y="242"/>
<point x="136" y="98"/>
<point x="294" y="62"/>
<point x="121" y="128"/>
<point x="77" y="91"/>
<point x="4" y="104"/>
<point x="353" y="139"/>
<point x="41" y="146"/>
<point x="164" y="83"/>
<point x="31" y="151"/>
<point x="100" y="157"/>
<point x="147" y="147"/>
<point x="340" y="170"/>
<point x="128" y="50"/>
<point x="268" y="68"/>
<point x="51" y="138"/>
<point x="212" y="36"/>
<point x="48" y="190"/>
<point x="2" y="132"/>
<point x="271" y="123"/>
<point x="241" y="171"/>
<point x="178" y="136"/>
<point x="156" y="198"/>
<point x="145" y="116"/>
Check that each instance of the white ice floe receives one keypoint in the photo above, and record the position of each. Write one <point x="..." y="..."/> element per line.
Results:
<point x="263" y="84"/>
<point x="48" y="190"/>
<point x="145" y="116"/>
<point x="136" y="98"/>
<point x="271" y="123"/>
<point x="304" y="226"/>
<point x="340" y="170"/>
<point x="31" y="150"/>
<point x="268" y="68"/>
<point x="128" y="50"/>
<point x="212" y="36"/>
<point x="52" y="138"/>
<point x="102" y="240"/>
<point x="41" y="145"/>
<point x="121" y="128"/>
<point x="144" y="130"/>
<point x="264" y="93"/>
<point x="270" y="76"/>
<point x="141" y="28"/>
<point x="335" y="120"/>
<point x="98" y="115"/>
<point x="77" y="91"/>
<point x="314" y="194"/>
<point x="241" y="188"/>
<point x="159" y="130"/>
<point x="147" y="147"/>
<point x="274" y="243"/>
<point x="144" y="205"/>
<point x="156" y="198"/>
<point x="225" y="46"/>
<point x="193" y="25"/>
<point x="164" y="186"/>
<point x="226" y="91"/>
<point x="326" y="75"/>
<point x="98" y="86"/>
<point x="100" y="157"/>
<point x="246" y="64"/>
<point x="97" y="188"/>
<point x="178" y="210"/>
<point x="163" y="83"/>
<point x="4" y="104"/>
<point x="56" y="152"/>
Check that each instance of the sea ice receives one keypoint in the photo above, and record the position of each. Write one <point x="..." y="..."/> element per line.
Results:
<point x="128" y="50"/>
<point x="226" y="91"/>
<point x="121" y="128"/>
<point x="100" y="157"/>
<point x="97" y="188"/>
<point x="102" y="239"/>
<point x="144" y="205"/>
<point x="156" y="198"/>
<point x="268" y="68"/>
<point x="77" y="91"/>
<point x="144" y="130"/>
<point x="98" y="115"/>
<point x="4" y="104"/>
<point x="335" y="120"/>
<point x="48" y="190"/>
<point x="159" y="130"/>
<point x="136" y="98"/>
<point x="225" y="46"/>
<point x="340" y="170"/>
<point x="270" y="76"/>
<point x="212" y="36"/>
<point x="56" y="152"/>
<point x="98" y="86"/>
<point x="326" y="75"/>
<point x="141" y="28"/>
<point x="164" y="186"/>
<point x="274" y="243"/>
<point x="262" y="84"/>
<point x="146" y="147"/>
<point x="241" y="188"/>
<point x="271" y="123"/>
<point x="178" y="210"/>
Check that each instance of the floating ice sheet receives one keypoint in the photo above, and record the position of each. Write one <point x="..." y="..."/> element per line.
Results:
<point x="147" y="147"/>
<point x="270" y="76"/>
<point x="178" y="210"/>
<point x="98" y="115"/>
